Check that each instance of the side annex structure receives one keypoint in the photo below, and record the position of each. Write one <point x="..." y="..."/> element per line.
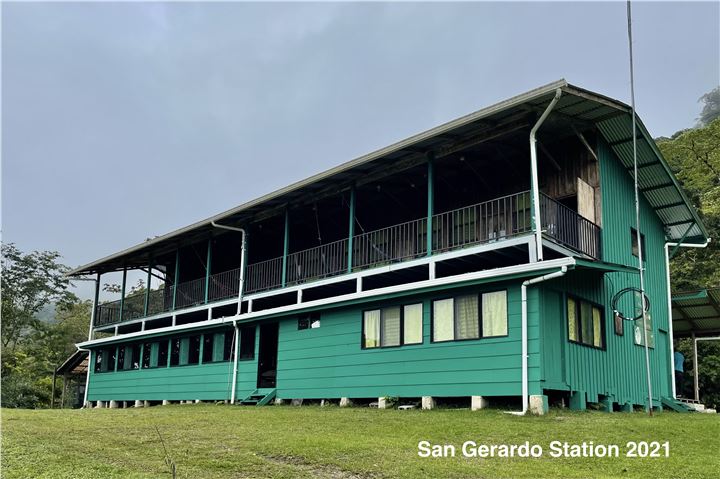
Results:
<point x="477" y="259"/>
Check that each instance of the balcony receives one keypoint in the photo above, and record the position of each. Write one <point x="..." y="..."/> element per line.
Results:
<point x="490" y="221"/>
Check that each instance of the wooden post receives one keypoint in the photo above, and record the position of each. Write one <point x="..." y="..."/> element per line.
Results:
<point x="208" y="265"/>
<point x="146" y="307"/>
<point x="52" y="392"/>
<point x="351" y="230"/>
<point x="286" y="247"/>
<point x="430" y="203"/>
<point x="176" y="277"/>
<point x="62" y="393"/>
<point x="122" y="292"/>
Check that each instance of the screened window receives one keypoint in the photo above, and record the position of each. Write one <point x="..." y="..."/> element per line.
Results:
<point x="470" y="316"/>
<point x="194" y="349"/>
<point x="129" y="357"/>
<point x="105" y="360"/>
<point x="229" y="346"/>
<point x="154" y="355"/>
<point x="247" y="343"/>
<point x="175" y="352"/>
<point x="214" y="347"/>
<point x="585" y="323"/>
<point x="392" y="326"/>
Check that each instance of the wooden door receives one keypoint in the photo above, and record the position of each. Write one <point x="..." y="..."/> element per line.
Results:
<point x="586" y="200"/>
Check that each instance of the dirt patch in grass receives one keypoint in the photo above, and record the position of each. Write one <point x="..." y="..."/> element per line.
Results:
<point x="319" y="471"/>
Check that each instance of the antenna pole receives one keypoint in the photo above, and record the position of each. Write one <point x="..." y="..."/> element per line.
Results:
<point x="637" y="213"/>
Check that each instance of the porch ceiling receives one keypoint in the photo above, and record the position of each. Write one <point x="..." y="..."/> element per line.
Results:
<point x="696" y="312"/>
<point x="581" y="108"/>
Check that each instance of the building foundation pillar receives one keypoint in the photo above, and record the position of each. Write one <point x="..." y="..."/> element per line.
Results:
<point x="539" y="404"/>
<point x="428" y="402"/>
<point x="345" y="402"/>
<point x="478" y="402"/>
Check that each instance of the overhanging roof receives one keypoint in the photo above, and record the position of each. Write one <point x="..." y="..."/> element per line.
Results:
<point x="696" y="312"/>
<point x="611" y="117"/>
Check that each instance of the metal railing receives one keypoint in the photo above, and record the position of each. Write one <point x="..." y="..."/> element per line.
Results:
<point x="318" y="262"/>
<point x="224" y="285"/>
<point x="492" y="220"/>
<point x="569" y="228"/>
<point x="389" y="245"/>
<point x="263" y="275"/>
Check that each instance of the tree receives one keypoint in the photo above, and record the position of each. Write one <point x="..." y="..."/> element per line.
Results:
<point x="711" y="109"/>
<point x="29" y="283"/>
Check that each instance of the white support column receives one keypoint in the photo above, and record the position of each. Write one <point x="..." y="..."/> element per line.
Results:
<point x="382" y="403"/>
<point x="431" y="270"/>
<point x="250" y="305"/>
<point x="299" y="296"/>
<point x="696" y="379"/>
<point x="165" y="402"/>
<point x="345" y="402"/>
<point x="478" y="402"/>
<point x="428" y="402"/>
<point x="358" y="284"/>
<point x="113" y="404"/>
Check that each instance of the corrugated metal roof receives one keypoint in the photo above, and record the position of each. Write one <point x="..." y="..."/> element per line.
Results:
<point x="696" y="311"/>
<point x="611" y="117"/>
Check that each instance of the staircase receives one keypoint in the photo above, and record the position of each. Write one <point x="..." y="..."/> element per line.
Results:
<point x="259" y="397"/>
<point x="676" y="405"/>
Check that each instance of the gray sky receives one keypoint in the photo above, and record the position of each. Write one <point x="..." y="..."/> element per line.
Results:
<point x="126" y="121"/>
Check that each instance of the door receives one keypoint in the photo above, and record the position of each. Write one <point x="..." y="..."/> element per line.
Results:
<point x="586" y="200"/>
<point x="267" y="357"/>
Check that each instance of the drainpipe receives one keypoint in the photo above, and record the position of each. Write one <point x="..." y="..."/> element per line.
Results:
<point x="241" y="286"/>
<point x="243" y="247"/>
<point x="87" y="377"/>
<point x="524" y="328"/>
<point x="669" y="304"/>
<point x="235" y="361"/>
<point x="537" y="223"/>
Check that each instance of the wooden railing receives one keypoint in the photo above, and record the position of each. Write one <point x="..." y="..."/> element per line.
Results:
<point x="489" y="221"/>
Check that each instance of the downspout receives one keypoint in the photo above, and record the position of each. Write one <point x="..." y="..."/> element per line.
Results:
<point x="87" y="377"/>
<point x="535" y="186"/>
<point x="240" y="299"/>
<point x="524" y="329"/>
<point x="669" y="304"/>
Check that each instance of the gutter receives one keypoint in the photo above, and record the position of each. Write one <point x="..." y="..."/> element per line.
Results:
<point x="534" y="174"/>
<point x="524" y="328"/>
<point x="241" y="286"/>
<point x="669" y="302"/>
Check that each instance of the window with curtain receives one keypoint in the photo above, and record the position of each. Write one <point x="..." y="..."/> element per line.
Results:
<point x="443" y="321"/>
<point x="494" y="314"/>
<point x="392" y="326"/>
<point x="460" y="317"/>
<point x="412" y="324"/>
<point x="371" y="329"/>
<point x="467" y="320"/>
<point x="585" y="323"/>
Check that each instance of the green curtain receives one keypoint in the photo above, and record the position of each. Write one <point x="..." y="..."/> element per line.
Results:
<point x="494" y="313"/>
<point x="412" y="324"/>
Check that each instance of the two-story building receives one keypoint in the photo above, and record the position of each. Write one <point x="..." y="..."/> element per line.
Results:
<point x="476" y="259"/>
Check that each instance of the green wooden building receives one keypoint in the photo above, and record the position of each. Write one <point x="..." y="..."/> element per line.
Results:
<point x="476" y="260"/>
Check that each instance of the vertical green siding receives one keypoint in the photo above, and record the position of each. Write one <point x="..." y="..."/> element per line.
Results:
<point x="618" y="371"/>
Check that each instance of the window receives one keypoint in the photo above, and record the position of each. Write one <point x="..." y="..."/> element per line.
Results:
<point x="105" y="360"/>
<point x="634" y="243"/>
<point x="247" y="343"/>
<point x="494" y="314"/>
<point x="412" y="324"/>
<point x="392" y="326"/>
<point x="175" y="352"/>
<point x="129" y="357"/>
<point x="229" y="346"/>
<point x="309" y="321"/>
<point x="194" y="349"/>
<point x="638" y="326"/>
<point x="586" y="324"/>
<point x="470" y="316"/>
<point x="154" y="355"/>
<point x="213" y="347"/>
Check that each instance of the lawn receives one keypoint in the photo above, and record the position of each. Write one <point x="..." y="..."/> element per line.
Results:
<point x="220" y="441"/>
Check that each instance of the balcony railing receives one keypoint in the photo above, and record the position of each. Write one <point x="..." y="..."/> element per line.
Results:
<point x="485" y="222"/>
<point x="569" y="228"/>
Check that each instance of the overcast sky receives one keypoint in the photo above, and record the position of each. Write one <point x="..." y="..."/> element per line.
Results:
<point x="125" y="121"/>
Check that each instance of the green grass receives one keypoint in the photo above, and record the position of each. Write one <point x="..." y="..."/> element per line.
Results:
<point x="218" y="441"/>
